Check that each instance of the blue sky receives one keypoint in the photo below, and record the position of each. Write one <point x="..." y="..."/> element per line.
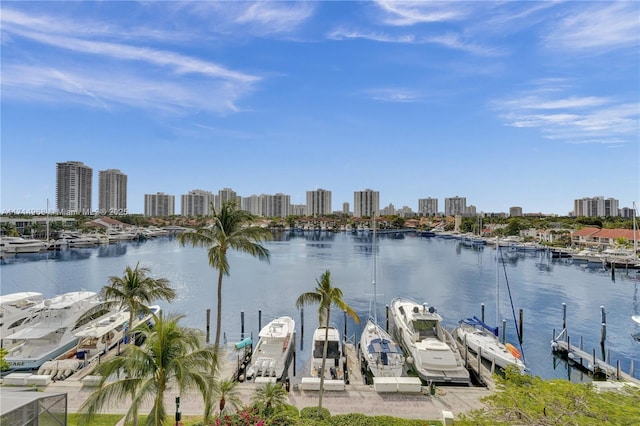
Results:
<point x="530" y="104"/>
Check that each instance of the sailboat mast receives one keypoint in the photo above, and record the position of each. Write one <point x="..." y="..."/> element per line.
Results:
<point x="373" y="245"/>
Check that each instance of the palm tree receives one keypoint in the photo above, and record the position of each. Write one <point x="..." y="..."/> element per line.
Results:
<point x="271" y="397"/>
<point x="170" y="355"/>
<point x="233" y="229"/>
<point x="325" y="295"/>
<point x="226" y="392"/>
<point x="134" y="291"/>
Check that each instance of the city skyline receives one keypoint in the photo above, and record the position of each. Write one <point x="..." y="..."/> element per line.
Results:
<point x="529" y="104"/>
<point x="112" y="197"/>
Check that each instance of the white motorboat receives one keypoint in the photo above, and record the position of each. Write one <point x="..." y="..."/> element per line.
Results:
<point x="382" y="356"/>
<point x="77" y="241"/>
<point x="106" y="331"/>
<point x="52" y="333"/>
<point x="22" y="245"/>
<point x="430" y="348"/>
<point x="482" y="339"/>
<point x="334" y="366"/>
<point x="636" y="319"/>
<point x="273" y="352"/>
<point x="17" y="311"/>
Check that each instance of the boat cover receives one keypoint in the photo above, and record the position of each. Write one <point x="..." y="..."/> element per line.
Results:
<point x="383" y="346"/>
<point x="475" y="321"/>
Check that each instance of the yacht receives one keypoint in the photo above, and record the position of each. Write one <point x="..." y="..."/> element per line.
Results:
<point x="17" y="311"/>
<point x="274" y="350"/>
<point x="22" y="245"/>
<point x="74" y="241"/>
<point x="430" y="348"/>
<point x="52" y="333"/>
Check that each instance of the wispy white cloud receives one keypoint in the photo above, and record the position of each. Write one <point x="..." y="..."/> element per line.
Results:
<point x="449" y="40"/>
<point x="147" y="76"/>
<point x="106" y="89"/>
<point x="341" y="34"/>
<point x="598" y="27"/>
<point x="572" y="119"/>
<point x="401" y="13"/>
<point x="260" y="18"/>
<point x="393" y="95"/>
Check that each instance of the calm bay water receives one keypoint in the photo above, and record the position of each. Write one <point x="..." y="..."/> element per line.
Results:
<point x="454" y="279"/>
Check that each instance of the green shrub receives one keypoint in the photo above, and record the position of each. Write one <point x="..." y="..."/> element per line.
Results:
<point x="312" y="413"/>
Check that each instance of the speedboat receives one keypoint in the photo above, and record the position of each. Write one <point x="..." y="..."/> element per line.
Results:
<point x="636" y="319"/>
<point x="17" y="311"/>
<point x="482" y="339"/>
<point x="273" y="352"/>
<point x="52" y="333"/>
<point x="334" y="366"/>
<point x="430" y="348"/>
<point x="382" y="355"/>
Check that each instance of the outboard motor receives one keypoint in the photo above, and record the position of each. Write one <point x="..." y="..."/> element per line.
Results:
<point x="334" y="373"/>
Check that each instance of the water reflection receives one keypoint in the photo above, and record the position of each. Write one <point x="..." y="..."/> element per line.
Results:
<point x="113" y="250"/>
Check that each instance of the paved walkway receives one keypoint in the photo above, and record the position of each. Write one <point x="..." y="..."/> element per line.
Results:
<point x="357" y="398"/>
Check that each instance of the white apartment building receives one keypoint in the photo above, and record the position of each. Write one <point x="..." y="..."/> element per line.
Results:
<point x="345" y="208"/>
<point x="196" y="203"/>
<point x="596" y="207"/>
<point x="428" y="206"/>
<point x="366" y="203"/>
<point x="112" y="192"/>
<point x="455" y="206"/>
<point x="277" y="205"/>
<point x="227" y="194"/>
<point x="318" y="202"/>
<point x="252" y="204"/>
<point x="159" y="204"/>
<point x="73" y="188"/>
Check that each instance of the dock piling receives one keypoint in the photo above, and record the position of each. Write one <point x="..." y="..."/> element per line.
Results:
<point x="520" y="325"/>
<point x="504" y="330"/>
<point x="208" y="325"/>
<point x="241" y="325"/>
<point x="564" y="317"/>
<point x="387" y="315"/>
<point x="301" y="328"/>
<point x="259" y="319"/>
<point x="482" y="312"/>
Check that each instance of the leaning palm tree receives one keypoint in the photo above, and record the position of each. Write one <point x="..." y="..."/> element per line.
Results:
<point x="232" y="229"/>
<point x="171" y="355"/>
<point x="135" y="290"/>
<point x="271" y="397"/>
<point x="325" y="295"/>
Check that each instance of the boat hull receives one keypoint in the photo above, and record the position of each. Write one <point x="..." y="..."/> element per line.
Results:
<point x="488" y="346"/>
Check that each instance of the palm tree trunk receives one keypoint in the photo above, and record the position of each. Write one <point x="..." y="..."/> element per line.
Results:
<point x="219" y="315"/>
<point x="128" y="336"/>
<point x="324" y="360"/>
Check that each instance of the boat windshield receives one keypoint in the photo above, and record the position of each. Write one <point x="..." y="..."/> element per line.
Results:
<point x="426" y="328"/>
<point x="333" y="349"/>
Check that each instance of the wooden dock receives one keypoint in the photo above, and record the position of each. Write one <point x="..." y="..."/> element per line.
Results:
<point x="473" y="361"/>
<point x="589" y="363"/>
